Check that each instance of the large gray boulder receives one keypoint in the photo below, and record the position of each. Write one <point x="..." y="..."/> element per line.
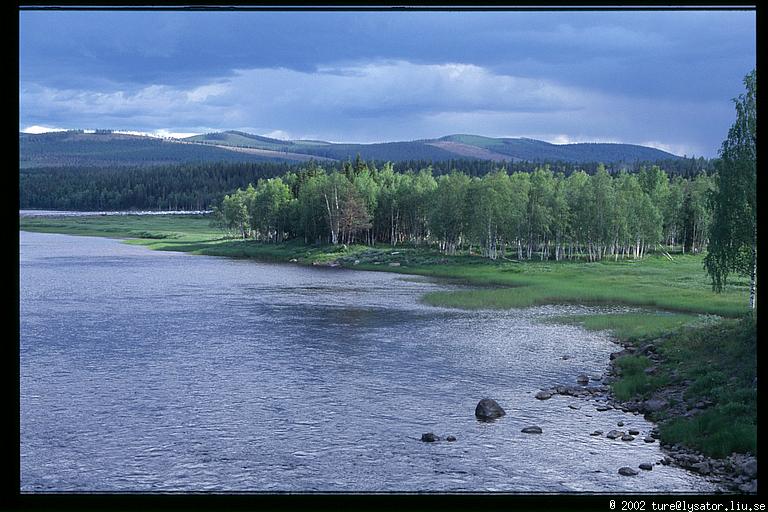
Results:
<point x="488" y="409"/>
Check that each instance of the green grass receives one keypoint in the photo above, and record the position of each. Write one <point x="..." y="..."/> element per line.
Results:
<point x="653" y="282"/>
<point x="634" y="326"/>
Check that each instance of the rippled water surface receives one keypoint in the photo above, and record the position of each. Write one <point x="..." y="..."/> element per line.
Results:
<point x="152" y="371"/>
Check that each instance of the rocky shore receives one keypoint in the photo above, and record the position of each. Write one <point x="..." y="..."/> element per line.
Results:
<point x="736" y="473"/>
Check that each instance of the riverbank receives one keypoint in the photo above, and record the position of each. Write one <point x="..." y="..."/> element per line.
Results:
<point x="698" y="383"/>
<point x="681" y="357"/>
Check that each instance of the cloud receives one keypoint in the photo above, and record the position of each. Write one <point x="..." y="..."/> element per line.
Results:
<point x="384" y="101"/>
<point x="41" y="129"/>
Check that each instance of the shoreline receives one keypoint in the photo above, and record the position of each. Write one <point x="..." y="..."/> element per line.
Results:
<point x="733" y="474"/>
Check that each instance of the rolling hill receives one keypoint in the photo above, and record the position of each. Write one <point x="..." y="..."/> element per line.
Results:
<point x="78" y="148"/>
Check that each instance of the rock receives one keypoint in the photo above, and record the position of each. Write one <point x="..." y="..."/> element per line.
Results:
<point x="535" y="429"/>
<point x="597" y="433"/>
<point x="543" y="395"/>
<point x="646" y="349"/>
<point x="582" y="379"/>
<point x="702" y="467"/>
<point x="646" y="466"/>
<point x="620" y="424"/>
<point x="574" y="407"/>
<point x="627" y="471"/>
<point x="654" y="405"/>
<point x="649" y="440"/>
<point x="613" y="434"/>
<point x="429" y="437"/>
<point x="489" y="409"/>
<point x="620" y="353"/>
<point x="749" y="468"/>
<point x="450" y="439"/>
<point x="633" y="432"/>
<point x="602" y="408"/>
<point x="565" y="357"/>
<point x="627" y="437"/>
<point x="749" y="487"/>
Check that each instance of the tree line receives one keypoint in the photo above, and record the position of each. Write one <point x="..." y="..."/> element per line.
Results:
<point x="541" y="214"/>
<point x="199" y="185"/>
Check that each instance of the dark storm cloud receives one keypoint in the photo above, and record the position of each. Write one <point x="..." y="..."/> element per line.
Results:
<point x="291" y="71"/>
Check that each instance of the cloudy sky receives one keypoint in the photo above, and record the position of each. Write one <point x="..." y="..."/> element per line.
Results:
<point x="660" y="78"/>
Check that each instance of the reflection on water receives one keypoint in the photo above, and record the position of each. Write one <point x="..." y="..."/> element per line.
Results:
<point x="152" y="371"/>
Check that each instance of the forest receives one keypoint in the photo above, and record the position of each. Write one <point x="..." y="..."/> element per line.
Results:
<point x="199" y="185"/>
<point x="541" y="214"/>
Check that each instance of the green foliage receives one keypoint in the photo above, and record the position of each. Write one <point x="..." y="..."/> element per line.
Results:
<point x="733" y="201"/>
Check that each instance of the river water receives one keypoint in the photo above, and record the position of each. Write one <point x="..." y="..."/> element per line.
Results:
<point x="147" y="371"/>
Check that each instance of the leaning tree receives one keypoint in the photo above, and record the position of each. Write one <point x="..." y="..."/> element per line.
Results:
<point x="733" y="233"/>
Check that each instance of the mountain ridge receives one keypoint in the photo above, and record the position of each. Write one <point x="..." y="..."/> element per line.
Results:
<point x="105" y="147"/>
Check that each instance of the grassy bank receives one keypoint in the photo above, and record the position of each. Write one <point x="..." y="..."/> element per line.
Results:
<point x="680" y="285"/>
<point x="705" y="370"/>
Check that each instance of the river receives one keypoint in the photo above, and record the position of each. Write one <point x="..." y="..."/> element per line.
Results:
<point x="148" y="371"/>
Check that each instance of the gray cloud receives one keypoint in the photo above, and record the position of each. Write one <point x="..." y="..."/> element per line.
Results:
<point x="660" y="77"/>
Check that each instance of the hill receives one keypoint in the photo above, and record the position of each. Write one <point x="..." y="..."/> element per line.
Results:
<point x="105" y="148"/>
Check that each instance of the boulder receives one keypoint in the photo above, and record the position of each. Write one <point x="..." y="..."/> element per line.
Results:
<point x="627" y="437"/>
<point x="627" y="471"/>
<point x="749" y="468"/>
<point x="613" y="434"/>
<point x="543" y="395"/>
<point x="633" y="432"/>
<point x="702" y="467"/>
<point x="429" y="437"/>
<point x="489" y="409"/>
<point x="654" y="405"/>
<point x="535" y="429"/>
<point x="582" y="379"/>
<point x="450" y="439"/>
<point x="649" y="440"/>
<point x="597" y="433"/>
<point x="645" y="466"/>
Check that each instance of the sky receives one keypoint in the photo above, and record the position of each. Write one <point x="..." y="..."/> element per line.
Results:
<point x="658" y="78"/>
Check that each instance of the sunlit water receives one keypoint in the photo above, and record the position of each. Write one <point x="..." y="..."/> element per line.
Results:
<point x="155" y="371"/>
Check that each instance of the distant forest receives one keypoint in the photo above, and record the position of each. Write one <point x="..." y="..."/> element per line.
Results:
<point x="201" y="185"/>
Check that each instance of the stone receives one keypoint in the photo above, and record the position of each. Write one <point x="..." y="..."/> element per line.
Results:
<point x="749" y="468"/>
<point x="620" y="424"/>
<point x="602" y="408"/>
<point x="654" y="404"/>
<point x="702" y="467"/>
<point x="543" y="395"/>
<point x="582" y="379"/>
<point x="749" y="487"/>
<point x="645" y="466"/>
<point x="613" y="434"/>
<point x="649" y="440"/>
<point x="489" y="409"/>
<point x="429" y="437"/>
<point x="574" y="407"/>
<point x="597" y="433"/>
<point x="450" y="439"/>
<point x="627" y="437"/>
<point x="535" y="429"/>
<point x="633" y="432"/>
<point x="627" y="471"/>
<point x="565" y="357"/>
